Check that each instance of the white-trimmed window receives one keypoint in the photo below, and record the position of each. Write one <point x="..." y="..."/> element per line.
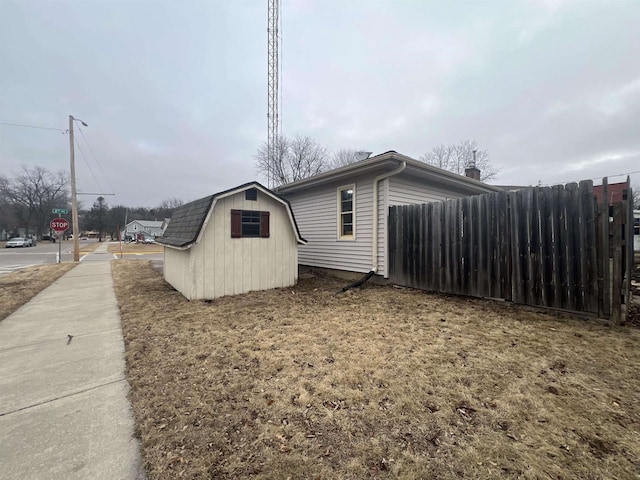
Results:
<point x="347" y="212"/>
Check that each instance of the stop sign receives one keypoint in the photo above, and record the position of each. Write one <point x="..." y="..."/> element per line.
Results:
<point x="59" y="225"/>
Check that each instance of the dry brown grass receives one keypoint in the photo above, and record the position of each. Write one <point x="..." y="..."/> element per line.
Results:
<point x="18" y="287"/>
<point x="378" y="383"/>
<point x="136" y="248"/>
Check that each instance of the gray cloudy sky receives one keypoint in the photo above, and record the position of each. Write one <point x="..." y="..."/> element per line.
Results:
<point x="175" y="92"/>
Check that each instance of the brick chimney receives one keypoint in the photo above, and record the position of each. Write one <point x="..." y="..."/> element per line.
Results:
<point x="472" y="171"/>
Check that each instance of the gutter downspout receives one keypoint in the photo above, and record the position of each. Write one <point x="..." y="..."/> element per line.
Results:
<point x="374" y="248"/>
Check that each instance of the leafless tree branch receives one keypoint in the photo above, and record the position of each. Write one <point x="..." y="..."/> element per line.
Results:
<point x="456" y="158"/>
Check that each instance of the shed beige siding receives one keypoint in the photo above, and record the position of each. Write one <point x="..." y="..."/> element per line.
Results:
<point x="175" y="270"/>
<point x="219" y="265"/>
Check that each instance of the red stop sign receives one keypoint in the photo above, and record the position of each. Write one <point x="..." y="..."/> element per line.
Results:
<point x="59" y="225"/>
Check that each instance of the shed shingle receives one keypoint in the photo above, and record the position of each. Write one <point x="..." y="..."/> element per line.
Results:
<point x="186" y="223"/>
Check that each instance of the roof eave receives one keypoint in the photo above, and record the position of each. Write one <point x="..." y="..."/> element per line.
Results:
<point x="390" y="158"/>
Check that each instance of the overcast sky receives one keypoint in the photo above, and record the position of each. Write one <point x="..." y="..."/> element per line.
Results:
<point x="175" y="93"/>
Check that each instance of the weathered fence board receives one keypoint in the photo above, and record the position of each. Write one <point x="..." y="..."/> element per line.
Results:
<point x="616" y="307"/>
<point x="546" y="247"/>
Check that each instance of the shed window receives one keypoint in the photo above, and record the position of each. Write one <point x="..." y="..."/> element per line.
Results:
<point x="251" y="194"/>
<point x="249" y="224"/>
<point x="346" y="212"/>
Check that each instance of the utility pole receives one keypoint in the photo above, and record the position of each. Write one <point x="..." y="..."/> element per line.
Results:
<point x="74" y="193"/>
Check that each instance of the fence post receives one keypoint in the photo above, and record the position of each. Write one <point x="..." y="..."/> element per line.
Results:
<point x="627" y="246"/>
<point x="617" y="264"/>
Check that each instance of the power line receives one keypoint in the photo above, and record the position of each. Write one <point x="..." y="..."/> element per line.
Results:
<point x="594" y="178"/>
<point x="95" y="159"/>
<point x="31" y="126"/>
<point x="87" y="164"/>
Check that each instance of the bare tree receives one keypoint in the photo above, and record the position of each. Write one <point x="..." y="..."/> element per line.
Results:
<point x="636" y="197"/>
<point x="456" y="158"/>
<point x="347" y="156"/>
<point x="33" y="193"/>
<point x="170" y="203"/>
<point x="295" y="159"/>
<point x="306" y="158"/>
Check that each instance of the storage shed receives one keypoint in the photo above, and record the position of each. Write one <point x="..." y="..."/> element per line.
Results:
<point x="232" y="242"/>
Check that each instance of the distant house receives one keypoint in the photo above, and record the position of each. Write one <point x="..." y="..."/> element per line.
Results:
<point x="636" y="231"/>
<point x="232" y="242"/>
<point x="343" y="212"/>
<point x="615" y="193"/>
<point x="146" y="228"/>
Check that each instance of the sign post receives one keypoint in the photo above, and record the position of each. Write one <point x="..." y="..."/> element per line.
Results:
<point x="59" y="225"/>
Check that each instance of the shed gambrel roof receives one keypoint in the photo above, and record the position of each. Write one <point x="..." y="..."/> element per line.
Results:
<point x="188" y="221"/>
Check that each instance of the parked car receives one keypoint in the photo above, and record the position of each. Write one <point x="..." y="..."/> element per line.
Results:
<point x="19" y="242"/>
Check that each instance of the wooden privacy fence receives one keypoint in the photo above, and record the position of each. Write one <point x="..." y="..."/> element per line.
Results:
<point x="553" y="247"/>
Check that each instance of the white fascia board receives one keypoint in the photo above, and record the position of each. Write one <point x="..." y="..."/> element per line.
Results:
<point x="230" y="193"/>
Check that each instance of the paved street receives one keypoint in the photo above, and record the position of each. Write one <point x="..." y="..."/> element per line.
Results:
<point x="12" y="259"/>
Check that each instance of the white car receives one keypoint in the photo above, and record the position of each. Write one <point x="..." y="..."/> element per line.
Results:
<point x="19" y="242"/>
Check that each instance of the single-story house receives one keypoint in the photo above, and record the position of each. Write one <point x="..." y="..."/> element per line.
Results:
<point x="343" y="212"/>
<point x="616" y="192"/>
<point x="147" y="228"/>
<point x="232" y="242"/>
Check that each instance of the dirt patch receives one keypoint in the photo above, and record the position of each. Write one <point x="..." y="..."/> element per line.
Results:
<point x="18" y="287"/>
<point x="376" y="383"/>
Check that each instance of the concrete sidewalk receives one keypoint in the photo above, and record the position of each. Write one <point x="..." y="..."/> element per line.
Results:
<point x="64" y="412"/>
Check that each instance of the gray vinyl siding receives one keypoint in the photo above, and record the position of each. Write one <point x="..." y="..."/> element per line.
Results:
<point x="405" y="190"/>
<point x="316" y="211"/>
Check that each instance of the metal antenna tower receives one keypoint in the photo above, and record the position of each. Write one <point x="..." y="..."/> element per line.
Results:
<point x="273" y="57"/>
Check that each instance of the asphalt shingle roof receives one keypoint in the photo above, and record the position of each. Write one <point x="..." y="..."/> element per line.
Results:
<point x="187" y="220"/>
<point x="186" y="223"/>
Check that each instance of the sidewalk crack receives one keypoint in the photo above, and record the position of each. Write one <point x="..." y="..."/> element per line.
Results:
<point x="44" y="402"/>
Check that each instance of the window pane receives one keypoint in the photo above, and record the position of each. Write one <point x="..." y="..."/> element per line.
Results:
<point x="346" y="212"/>
<point x="250" y="223"/>
<point x="250" y="230"/>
